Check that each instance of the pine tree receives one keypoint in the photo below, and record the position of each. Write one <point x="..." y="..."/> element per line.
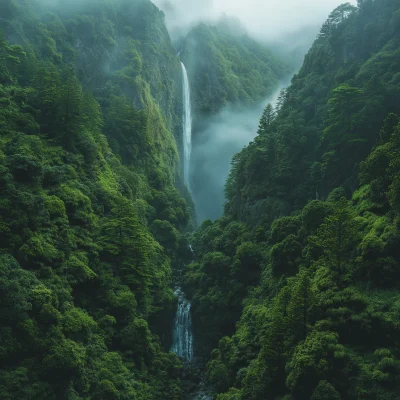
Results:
<point x="70" y="116"/>
<point x="266" y="119"/>
<point x="281" y="99"/>
<point x="274" y="350"/>
<point x="9" y="60"/>
<point x="127" y="245"/>
<point x="338" y="236"/>
<point x="340" y="13"/>
<point x="300" y="308"/>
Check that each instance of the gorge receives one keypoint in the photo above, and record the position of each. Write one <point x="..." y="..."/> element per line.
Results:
<point x="160" y="233"/>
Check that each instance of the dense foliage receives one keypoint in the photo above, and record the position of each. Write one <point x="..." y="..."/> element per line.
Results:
<point x="295" y="290"/>
<point x="91" y="220"/>
<point x="296" y="287"/>
<point x="328" y="118"/>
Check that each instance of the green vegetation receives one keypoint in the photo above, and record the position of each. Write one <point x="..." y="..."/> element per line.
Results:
<point x="91" y="219"/>
<point x="328" y="118"/>
<point x="295" y="290"/>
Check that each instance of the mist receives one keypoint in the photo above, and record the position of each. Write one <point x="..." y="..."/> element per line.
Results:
<point x="288" y="28"/>
<point x="266" y="20"/>
<point x="225" y="135"/>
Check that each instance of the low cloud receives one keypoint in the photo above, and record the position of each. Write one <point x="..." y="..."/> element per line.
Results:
<point x="263" y="19"/>
<point x="226" y="134"/>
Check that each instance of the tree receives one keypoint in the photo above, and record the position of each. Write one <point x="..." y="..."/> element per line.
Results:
<point x="340" y="13"/>
<point x="285" y="256"/>
<point x="247" y="263"/>
<point x="70" y="108"/>
<point x="9" y="60"/>
<point x="394" y="169"/>
<point x="338" y="236"/>
<point x="345" y="103"/>
<point x="326" y="29"/>
<point x="274" y="352"/>
<point x="336" y="17"/>
<point x="283" y="95"/>
<point x="312" y="361"/>
<point x="325" y="391"/>
<point x="301" y="307"/>
<point x="166" y="234"/>
<point x="131" y="249"/>
<point x="267" y="117"/>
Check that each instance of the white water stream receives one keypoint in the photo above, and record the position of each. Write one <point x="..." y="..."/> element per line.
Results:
<point x="187" y="127"/>
<point x="182" y="343"/>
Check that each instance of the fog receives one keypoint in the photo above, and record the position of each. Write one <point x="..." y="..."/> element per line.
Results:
<point x="264" y="19"/>
<point x="226" y="134"/>
<point x="289" y="28"/>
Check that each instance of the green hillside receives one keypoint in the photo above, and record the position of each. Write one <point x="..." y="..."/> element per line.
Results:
<point x="294" y="291"/>
<point x="296" y="287"/>
<point x="91" y="219"/>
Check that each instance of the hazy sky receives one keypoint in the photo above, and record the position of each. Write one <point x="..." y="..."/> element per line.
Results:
<point x="265" y="19"/>
<point x="274" y="17"/>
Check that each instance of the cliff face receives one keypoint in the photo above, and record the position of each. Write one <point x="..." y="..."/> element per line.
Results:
<point x="91" y="217"/>
<point x="115" y="48"/>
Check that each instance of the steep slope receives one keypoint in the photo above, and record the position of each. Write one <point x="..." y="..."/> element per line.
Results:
<point x="296" y="285"/>
<point x="119" y="50"/>
<point x="328" y="118"/>
<point x="91" y="220"/>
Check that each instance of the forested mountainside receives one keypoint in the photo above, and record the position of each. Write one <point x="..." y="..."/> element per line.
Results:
<point x="91" y="220"/>
<point x="297" y="287"/>
<point x="294" y="291"/>
<point x="120" y="50"/>
<point x="226" y="66"/>
<point x="94" y="214"/>
<point x="327" y="119"/>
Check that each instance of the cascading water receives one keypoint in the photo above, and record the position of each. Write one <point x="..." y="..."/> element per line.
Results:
<point x="183" y="338"/>
<point x="187" y="127"/>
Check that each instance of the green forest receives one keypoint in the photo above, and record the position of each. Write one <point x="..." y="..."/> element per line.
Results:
<point x="295" y="290"/>
<point x="292" y="293"/>
<point x="93" y="212"/>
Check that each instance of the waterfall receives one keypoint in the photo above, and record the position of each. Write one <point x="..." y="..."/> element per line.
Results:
<point x="183" y="337"/>
<point x="187" y="127"/>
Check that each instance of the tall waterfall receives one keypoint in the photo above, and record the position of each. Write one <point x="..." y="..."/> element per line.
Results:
<point x="187" y="127"/>
<point x="183" y="337"/>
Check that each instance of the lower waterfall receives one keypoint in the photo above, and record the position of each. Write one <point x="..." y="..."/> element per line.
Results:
<point x="183" y="337"/>
<point x="183" y="342"/>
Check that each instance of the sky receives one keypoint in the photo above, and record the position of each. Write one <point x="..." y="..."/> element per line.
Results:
<point x="275" y="17"/>
<point x="264" y="19"/>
